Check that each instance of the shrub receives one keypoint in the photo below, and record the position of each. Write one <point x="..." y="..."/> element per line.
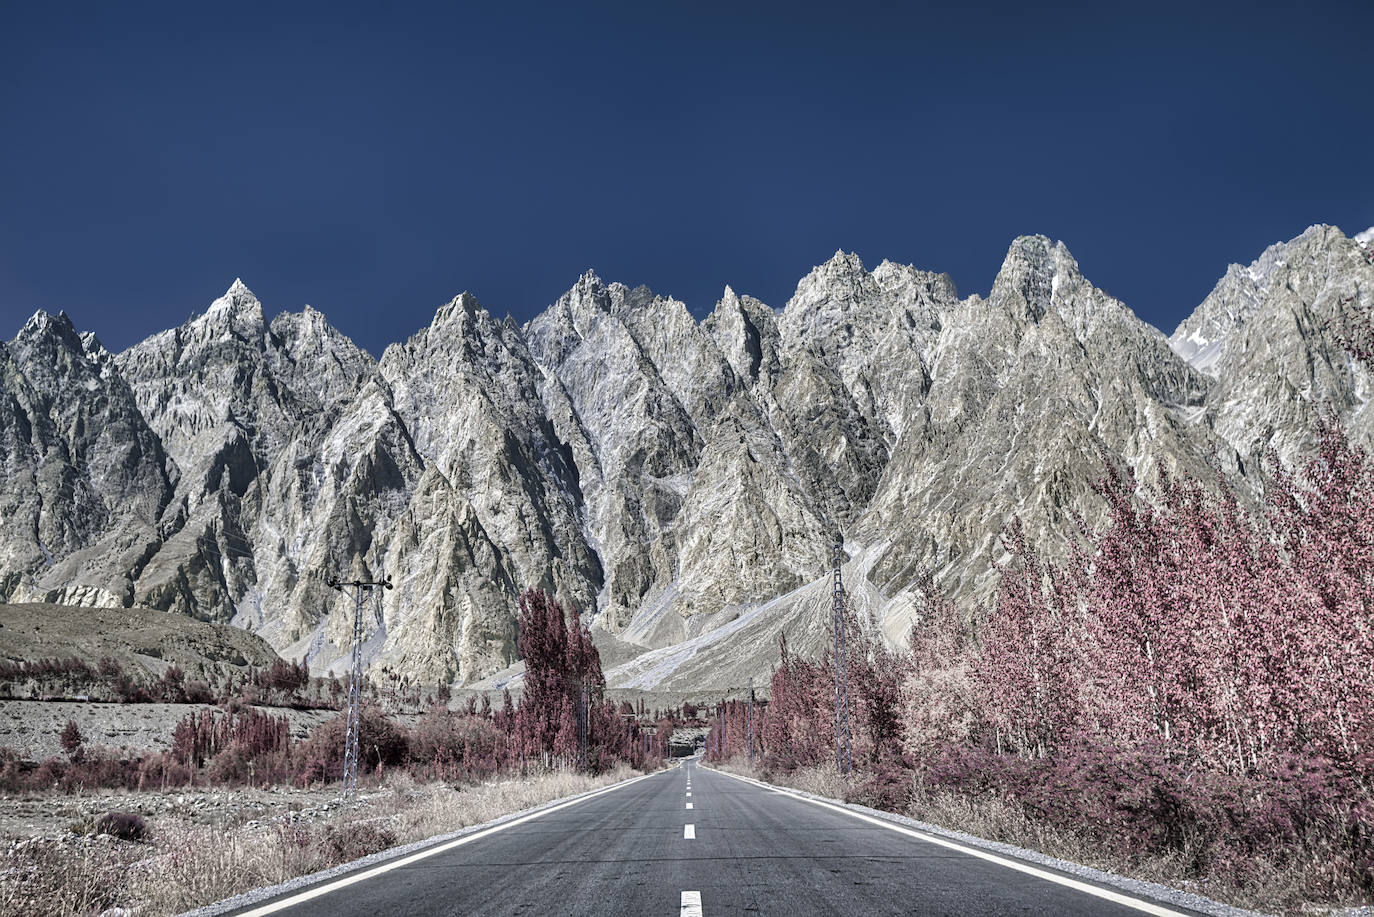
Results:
<point x="127" y="826"/>
<point x="160" y="771"/>
<point x="71" y="740"/>
<point x="284" y="677"/>
<point x="350" y="842"/>
<point x="380" y="741"/>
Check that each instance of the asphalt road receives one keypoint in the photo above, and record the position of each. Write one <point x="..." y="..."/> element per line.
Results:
<point x="739" y="849"/>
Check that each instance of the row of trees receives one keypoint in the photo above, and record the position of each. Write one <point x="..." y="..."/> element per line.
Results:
<point x="563" y="700"/>
<point x="282" y="683"/>
<point x="1223" y="639"/>
<point x="1193" y="670"/>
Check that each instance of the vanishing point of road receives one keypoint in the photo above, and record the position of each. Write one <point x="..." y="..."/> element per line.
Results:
<point x="693" y="842"/>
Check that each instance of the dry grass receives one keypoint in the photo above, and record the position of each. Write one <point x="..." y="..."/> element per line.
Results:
<point x="1266" y="887"/>
<point x="186" y="865"/>
<point x="821" y="780"/>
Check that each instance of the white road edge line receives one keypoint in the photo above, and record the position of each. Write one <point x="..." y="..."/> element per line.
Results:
<point x="691" y="904"/>
<point x="1108" y="894"/>
<point x="337" y="884"/>
<point x="689" y="832"/>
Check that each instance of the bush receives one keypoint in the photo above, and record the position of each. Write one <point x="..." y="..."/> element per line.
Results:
<point x="157" y="772"/>
<point x="442" y="738"/>
<point x="346" y="843"/>
<point x="380" y="741"/>
<point x="72" y="740"/>
<point x="127" y="826"/>
<point x="889" y="786"/>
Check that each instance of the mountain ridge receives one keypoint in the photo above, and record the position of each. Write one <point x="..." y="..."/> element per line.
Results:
<point x="672" y="477"/>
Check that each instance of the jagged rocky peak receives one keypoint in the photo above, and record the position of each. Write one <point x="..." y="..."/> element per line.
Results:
<point x="843" y="313"/>
<point x="1204" y="336"/>
<point x="746" y="331"/>
<point x="1033" y="274"/>
<point x="84" y="479"/>
<point x="467" y="389"/>
<point x="673" y="476"/>
<point x="907" y="283"/>
<point x="94" y="347"/>
<point x="238" y="311"/>
<point x="226" y="366"/>
<point x="49" y="351"/>
<point x="1040" y="278"/>
<point x="43" y="322"/>
<point x="820" y="313"/>
<point x="1269" y="334"/>
<point x="874" y="331"/>
<point x="320" y="362"/>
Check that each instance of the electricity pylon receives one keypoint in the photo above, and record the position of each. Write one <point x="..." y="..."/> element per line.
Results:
<point x="355" y="681"/>
<point x="841" y="668"/>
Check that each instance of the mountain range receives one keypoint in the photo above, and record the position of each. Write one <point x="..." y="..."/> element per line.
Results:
<point x="681" y="482"/>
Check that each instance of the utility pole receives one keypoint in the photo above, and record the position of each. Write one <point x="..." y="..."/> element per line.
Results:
<point x="355" y="681"/>
<point x="841" y="667"/>
<point x="750" y="719"/>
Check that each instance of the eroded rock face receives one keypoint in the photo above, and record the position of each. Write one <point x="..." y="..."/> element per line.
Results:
<point x="84" y="480"/>
<point x="682" y="483"/>
<point x="1029" y="390"/>
<point x="501" y="487"/>
<point x="1267" y="334"/>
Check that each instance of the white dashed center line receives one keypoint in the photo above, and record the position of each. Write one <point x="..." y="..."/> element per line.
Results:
<point x="689" y="832"/>
<point x="691" y="904"/>
<point x="689" y="805"/>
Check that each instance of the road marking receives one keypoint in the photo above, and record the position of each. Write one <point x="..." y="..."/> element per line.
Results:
<point x="1114" y="896"/>
<point x="691" y="904"/>
<point x="689" y="792"/>
<point x="328" y="887"/>
<point x="689" y="805"/>
<point x="689" y="832"/>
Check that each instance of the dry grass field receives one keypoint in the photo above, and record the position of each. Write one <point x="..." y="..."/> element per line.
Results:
<point x="202" y="846"/>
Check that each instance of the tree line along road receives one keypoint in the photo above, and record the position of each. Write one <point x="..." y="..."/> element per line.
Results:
<point x="693" y="842"/>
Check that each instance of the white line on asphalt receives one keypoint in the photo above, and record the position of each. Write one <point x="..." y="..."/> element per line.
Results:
<point x="689" y="805"/>
<point x="691" y="904"/>
<point x="1118" y="897"/>
<point x="328" y="887"/>
<point x="689" y="832"/>
<point x="689" y="792"/>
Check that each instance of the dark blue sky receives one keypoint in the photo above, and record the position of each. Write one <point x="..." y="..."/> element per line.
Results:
<point x="375" y="161"/>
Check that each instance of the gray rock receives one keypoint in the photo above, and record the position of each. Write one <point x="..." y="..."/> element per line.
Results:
<point x="678" y="482"/>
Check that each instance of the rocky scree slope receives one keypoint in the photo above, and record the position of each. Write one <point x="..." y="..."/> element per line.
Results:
<point x="681" y="482"/>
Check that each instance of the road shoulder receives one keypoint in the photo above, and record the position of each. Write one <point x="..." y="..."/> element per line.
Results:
<point x="359" y="870"/>
<point x="1011" y="856"/>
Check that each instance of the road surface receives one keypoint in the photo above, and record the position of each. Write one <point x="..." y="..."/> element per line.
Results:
<point x="692" y="841"/>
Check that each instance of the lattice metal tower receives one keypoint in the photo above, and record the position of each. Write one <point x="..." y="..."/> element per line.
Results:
<point x="355" y="680"/>
<point x="841" y="667"/>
